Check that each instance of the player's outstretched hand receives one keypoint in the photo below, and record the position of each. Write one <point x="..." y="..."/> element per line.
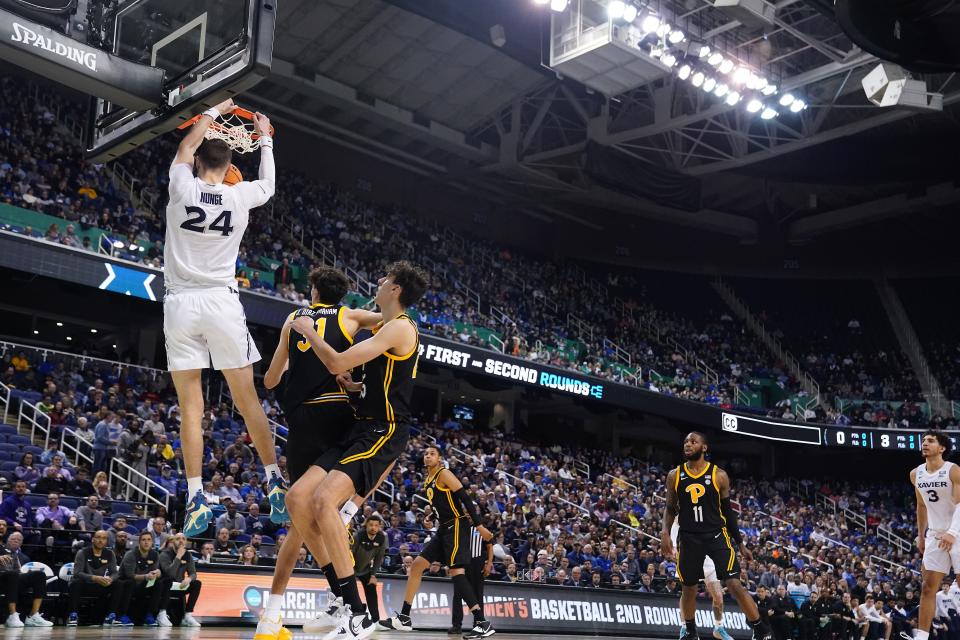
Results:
<point x="302" y="325"/>
<point x="227" y="106"/>
<point x="262" y="123"/>
<point x="666" y="546"/>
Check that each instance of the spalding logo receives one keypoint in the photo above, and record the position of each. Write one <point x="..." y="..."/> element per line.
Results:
<point x="72" y="53"/>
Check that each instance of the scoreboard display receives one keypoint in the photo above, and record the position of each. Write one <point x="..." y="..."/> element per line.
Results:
<point x="825" y="435"/>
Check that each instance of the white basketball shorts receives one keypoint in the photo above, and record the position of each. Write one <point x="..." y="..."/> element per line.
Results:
<point x="936" y="559"/>
<point x="709" y="570"/>
<point x="204" y="325"/>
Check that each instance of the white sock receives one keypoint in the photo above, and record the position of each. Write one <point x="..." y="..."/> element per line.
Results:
<point x="275" y="604"/>
<point x="347" y="511"/>
<point x="921" y="635"/>
<point x="717" y="622"/>
<point x="270" y="470"/>
<point x="194" y="486"/>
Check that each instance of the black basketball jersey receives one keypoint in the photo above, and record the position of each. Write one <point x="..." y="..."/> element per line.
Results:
<point x="308" y="381"/>
<point x="699" y="500"/>
<point x="388" y="384"/>
<point x="442" y="500"/>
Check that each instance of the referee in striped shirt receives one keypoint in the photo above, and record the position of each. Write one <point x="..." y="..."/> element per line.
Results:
<point x="481" y="564"/>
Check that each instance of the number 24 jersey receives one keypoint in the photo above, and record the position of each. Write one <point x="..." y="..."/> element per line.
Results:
<point x="205" y="224"/>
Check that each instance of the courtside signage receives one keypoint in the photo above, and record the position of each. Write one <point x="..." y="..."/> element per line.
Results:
<point x="237" y="595"/>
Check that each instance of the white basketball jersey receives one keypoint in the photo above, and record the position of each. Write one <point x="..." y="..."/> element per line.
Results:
<point x="937" y="491"/>
<point x="205" y="224"/>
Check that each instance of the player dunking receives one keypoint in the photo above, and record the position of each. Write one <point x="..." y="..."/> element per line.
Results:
<point x="379" y="435"/>
<point x="203" y="319"/>
<point x="319" y="414"/>
<point x="698" y="493"/>
<point x="937" y="485"/>
<point x="455" y="512"/>
<point x="714" y="588"/>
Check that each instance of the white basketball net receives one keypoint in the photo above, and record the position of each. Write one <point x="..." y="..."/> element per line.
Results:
<point x="239" y="133"/>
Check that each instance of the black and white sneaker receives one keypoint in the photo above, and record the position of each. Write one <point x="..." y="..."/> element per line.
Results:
<point x="480" y="630"/>
<point x="353" y="627"/>
<point x="398" y="622"/>
<point x="762" y="633"/>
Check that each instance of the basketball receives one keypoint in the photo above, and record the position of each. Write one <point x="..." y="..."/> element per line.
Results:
<point x="233" y="176"/>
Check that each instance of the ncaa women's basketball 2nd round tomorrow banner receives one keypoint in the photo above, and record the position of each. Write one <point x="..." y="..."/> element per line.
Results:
<point x="235" y="595"/>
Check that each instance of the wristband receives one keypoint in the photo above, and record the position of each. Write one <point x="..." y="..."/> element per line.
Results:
<point x="213" y="113"/>
<point x="266" y="142"/>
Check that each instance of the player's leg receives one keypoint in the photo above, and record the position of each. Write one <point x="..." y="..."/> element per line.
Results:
<point x="459" y="559"/>
<point x="244" y="393"/>
<point x="933" y="560"/>
<point x="190" y="398"/>
<point x="690" y="555"/>
<point x="724" y="556"/>
<point x="433" y="551"/>
<point x="715" y="589"/>
<point x="354" y="504"/>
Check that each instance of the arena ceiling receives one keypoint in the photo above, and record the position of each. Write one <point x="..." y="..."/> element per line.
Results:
<point x="418" y="83"/>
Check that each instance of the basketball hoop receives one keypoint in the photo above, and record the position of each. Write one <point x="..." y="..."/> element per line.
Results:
<point x="236" y="128"/>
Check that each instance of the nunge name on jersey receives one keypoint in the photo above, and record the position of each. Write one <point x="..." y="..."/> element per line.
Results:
<point x="211" y="198"/>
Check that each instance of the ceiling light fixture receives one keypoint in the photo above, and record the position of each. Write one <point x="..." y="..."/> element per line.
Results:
<point x="630" y="13"/>
<point x="733" y="98"/>
<point x="697" y="79"/>
<point x="726" y="66"/>
<point x="709" y="84"/>
<point x="769" y="113"/>
<point x="615" y="9"/>
<point x="684" y="72"/>
<point x="786" y="100"/>
<point x="754" y="105"/>
<point x="650" y="24"/>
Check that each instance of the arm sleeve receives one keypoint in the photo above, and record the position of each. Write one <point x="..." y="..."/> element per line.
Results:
<point x="733" y="527"/>
<point x="469" y="506"/>
<point x="256" y="193"/>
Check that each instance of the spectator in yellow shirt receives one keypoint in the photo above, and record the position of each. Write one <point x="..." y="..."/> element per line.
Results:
<point x="20" y="362"/>
<point x="243" y="280"/>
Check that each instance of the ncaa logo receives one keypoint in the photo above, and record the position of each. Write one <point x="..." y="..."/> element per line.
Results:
<point x="729" y="422"/>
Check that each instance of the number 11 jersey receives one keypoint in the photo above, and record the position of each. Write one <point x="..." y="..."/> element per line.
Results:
<point x="699" y="500"/>
<point x="205" y="224"/>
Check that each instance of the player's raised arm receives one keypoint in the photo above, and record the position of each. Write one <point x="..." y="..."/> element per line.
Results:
<point x="396" y="334"/>
<point x="191" y="141"/>
<point x="280" y="357"/>
<point x="257" y="193"/>
<point x="669" y="514"/>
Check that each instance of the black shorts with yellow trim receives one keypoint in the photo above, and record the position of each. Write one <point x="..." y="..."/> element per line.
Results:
<point x="450" y="546"/>
<point x="694" y="547"/>
<point x="368" y="449"/>
<point x="313" y="428"/>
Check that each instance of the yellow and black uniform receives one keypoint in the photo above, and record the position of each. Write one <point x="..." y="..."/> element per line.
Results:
<point x="381" y="431"/>
<point x="451" y="544"/>
<point x="703" y="527"/>
<point x="317" y="408"/>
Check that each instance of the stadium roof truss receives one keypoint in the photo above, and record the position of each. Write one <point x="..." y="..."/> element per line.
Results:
<point x="410" y="91"/>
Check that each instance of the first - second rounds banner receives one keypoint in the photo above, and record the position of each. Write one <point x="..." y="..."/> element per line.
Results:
<point x="233" y="596"/>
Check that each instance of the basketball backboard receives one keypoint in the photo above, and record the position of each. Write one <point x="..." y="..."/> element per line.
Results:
<point x="210" y="50"/>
